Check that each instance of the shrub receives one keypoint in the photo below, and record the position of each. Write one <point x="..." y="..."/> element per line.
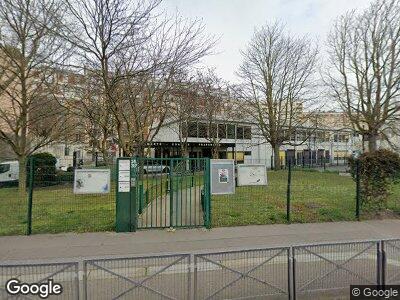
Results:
<point x="45" y="168"/>
<point x="378" y="170"/>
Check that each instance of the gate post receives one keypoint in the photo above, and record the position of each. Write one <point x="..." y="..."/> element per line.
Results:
<point x="30" y="194"/>
<point x="125" y="210"/>
<point x="207" y="193"/>
<point x="171" y="193"/>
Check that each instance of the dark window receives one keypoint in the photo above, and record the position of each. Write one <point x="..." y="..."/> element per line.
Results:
<point x="222" y="131"/>
<point x="247" y="153"/>
<point x="247" y="133"/>
<point x="231" y="131"/>
<point x="239" y="133"/>
<point x="192" y="129"/>
<point x="66" y="151"/>
<point x="203" y="130"/>
<point x="4" y="168"/>
<point x="335" y="137"/>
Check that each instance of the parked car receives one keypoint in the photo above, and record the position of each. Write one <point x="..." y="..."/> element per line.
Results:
<point x="9" y="172"/>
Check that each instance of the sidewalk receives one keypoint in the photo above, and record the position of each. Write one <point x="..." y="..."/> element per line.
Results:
<point x="109" y="244"/>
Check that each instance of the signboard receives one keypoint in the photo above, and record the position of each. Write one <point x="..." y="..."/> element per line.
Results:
<point x="92" y="181"/>
<point x="252" y="174"/>
<point x="222" y="176"/>
<point x="124" y="175"/>
<point x="124" y="187"/>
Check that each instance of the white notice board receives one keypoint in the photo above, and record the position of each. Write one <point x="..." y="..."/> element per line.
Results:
<point x="92" y="181"/>
<point x="252" y="174"/>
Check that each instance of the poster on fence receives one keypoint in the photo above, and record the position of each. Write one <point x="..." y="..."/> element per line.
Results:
<point x="252" y="174"/>
<point x="222" y="176"/>
<point x="92" y="181"/>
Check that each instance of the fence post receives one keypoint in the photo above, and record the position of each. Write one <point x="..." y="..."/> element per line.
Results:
<point x="358" y="189"/>
<point x="30" y="194"/>
<point x="208" y="193"/>
<point x="288" y="191"/>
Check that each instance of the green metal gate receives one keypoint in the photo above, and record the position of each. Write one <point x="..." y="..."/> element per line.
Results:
<point x="164" y="193"/>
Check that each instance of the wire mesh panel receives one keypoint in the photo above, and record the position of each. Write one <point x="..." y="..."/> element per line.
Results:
<point x="392" y="261"/>
<point x="56" y="207"/>
<point x="170" y="192"/>
<point x="328" y="270"/>
<point x="156" y="277"/>
<point x="65" y="274"/>
<point x="250" y="274"/>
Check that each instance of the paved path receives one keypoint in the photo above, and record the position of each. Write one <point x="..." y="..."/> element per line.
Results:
<point x="186" y="210"/>
<point x="90" y="245"/>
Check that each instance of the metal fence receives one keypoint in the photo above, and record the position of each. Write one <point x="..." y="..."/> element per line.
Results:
<point x="49" y="204"/>
<point x="327" y="270"/>
<point x="155" y="277"/>
<point x="255" y="274"/>
<point x="299" y="272"/>
<point x="65" y="274"/>
<point x="173" y="196"/>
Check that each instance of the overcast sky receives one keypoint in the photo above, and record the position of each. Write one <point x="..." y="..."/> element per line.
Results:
<point x="233" y="21"/>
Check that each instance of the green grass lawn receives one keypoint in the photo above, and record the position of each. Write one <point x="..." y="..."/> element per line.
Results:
<point x="316" y="197"/>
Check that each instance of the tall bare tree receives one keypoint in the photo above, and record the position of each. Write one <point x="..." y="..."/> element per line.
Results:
<point x="136" y="52"/>
<point x="30" y="117"/>
<point x="215" y="107"/>
<point x="364" y="71"/>
<point x="278" y="83"/>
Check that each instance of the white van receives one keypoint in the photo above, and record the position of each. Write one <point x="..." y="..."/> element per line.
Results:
<point x="9" y="172"/>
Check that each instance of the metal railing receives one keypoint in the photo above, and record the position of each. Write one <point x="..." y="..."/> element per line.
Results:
<point x="297" y="272"/>
<point x="154" y="277"/>
<point x="65" y="274"/>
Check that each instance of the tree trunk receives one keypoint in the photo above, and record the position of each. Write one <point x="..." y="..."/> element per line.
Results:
<point x="277" y="159"/>
<point x="22" y="175"/>
<point x="372" y="143"/>
<point x="215" y="152"/>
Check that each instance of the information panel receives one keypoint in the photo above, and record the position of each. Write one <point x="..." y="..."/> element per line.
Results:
<point x="252" y="174"/>
<point x="222" y="176"/>
<point x="92" y="181"/>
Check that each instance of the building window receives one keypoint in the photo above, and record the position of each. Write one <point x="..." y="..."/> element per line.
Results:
<point x="247" y="133"/>
<point x="230" y="131"/>
<point x="222" y="131"/>
<point x="66" y="151"/>
<point x="192" y="129"/>
<point x="239" y="133"/>
<point x="203" y="130"/>
<point x="247" y="153"/>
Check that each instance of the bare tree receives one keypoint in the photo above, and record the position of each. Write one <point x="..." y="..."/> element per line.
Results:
<point x="30" y="117"/>
<point x="214" y="108"/>
<point x="364" y="71"/>
<point x="182" y="110"/>
<point x="137" y="53"/>
<point x="278" y="83"/>
<point x="93" y="112"/>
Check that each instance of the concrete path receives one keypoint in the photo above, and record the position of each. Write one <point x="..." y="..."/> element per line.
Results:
<point x="145" y="242"/>
<point x="186" y="210"/>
